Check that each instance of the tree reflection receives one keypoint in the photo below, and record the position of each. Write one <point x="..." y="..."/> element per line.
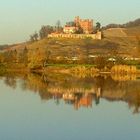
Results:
<point x="77" y="91"/>
<point x="10" y="81"/>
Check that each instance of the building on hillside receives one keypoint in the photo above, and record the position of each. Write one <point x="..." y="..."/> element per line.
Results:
<point x="74" y="26"/>
<point x="85" y="24"/>
<point x="70" y="29"/>
<point x="79" y="28"/>
<point x="97" y="36"/>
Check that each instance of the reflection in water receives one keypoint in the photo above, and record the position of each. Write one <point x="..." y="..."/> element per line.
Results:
<point x="10" y="81"/>
<point x="124" y="77"/>
<point x="80" y="92"/>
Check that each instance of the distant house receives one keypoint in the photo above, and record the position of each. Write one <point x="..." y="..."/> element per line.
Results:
<point x="93" y="56"/>
<point x="112" y="59"/>
<point x="69" y="96"/>
<point x="70" y="29"/>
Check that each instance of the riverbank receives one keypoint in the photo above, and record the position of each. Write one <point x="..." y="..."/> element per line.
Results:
<point x="75" y="69"/>
<point x="79" y="72"/>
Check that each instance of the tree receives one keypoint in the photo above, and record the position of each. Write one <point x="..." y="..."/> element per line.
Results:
<point x="45" y="30"/>
<point x="100" y="62"/>
<point x="71" y="23"/>
<point x="138" y="46"/>
<point x="34" y="37"/>
<point x="31" y="38"/>
<point x="14" y="55"/>
<point x="1" y="57"/>
<point x="23" y="56"/>
<point x="80" y="30"/>
<point x="98" y="26"/>
<point x="58" y="27"/>
<point x="58" y="24"/>
<point x="10" y="56"/>
<point x="47" y="54"/>
<point x="38" y="58"/>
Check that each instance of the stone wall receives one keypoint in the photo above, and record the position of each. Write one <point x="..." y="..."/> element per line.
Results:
<point x="97" y="36"/>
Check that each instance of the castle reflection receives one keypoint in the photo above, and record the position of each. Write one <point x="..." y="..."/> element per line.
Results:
<point x="79" y="92"/>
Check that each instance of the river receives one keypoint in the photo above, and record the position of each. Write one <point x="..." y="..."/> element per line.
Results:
<point x="65" y="107"/>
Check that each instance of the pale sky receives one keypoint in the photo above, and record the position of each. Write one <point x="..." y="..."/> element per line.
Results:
<point x="20" y="18"/>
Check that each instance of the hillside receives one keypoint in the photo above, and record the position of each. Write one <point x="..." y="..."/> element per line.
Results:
<point x="126" y="38"/>
<point x="122" y="32"/>
<point x="116" y="41"/>
<point x="133" y="31"/>
<point x="2" y="47"/>
<point x="115" y="32"/>
<point x="130" y="24"/>
<point x="75" y="47"/>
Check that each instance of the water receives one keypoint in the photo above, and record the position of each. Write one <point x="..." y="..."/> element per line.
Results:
<point x="62" y="107"/>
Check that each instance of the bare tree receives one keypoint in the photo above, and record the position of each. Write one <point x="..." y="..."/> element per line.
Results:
<point x="58" y="25"/>
<point x="45" y="30"/>
<point x="34" y="37"/>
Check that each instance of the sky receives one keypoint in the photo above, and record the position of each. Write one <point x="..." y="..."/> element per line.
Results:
<point x="20" y="18"/>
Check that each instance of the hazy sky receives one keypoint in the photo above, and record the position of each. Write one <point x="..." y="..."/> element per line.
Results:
<point x="20" y="18"/>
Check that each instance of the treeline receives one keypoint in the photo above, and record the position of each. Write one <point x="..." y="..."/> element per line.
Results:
<point x="126" y="25"/>
<point x="45" y="30"/>
<point x="6" y="46"/>
<point x="42" y="57"/>
<point x="48" y="29"/>
<point x="31" y="59"/>
<point x="3" y="46"/>
<point x="14" y="56"/>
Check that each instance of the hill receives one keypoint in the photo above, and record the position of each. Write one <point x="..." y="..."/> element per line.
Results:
<point x="133" y="31"/>
<point x="122" y="42"/>
<point x="126" y="35"/>
<point x="2" y="47"/>
<point x="127" y="39"/>
<point x="129" y="24"/>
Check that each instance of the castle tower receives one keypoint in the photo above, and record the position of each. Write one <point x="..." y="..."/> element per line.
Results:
<point x="77" y="21"/>
<point x="86" y="24"/>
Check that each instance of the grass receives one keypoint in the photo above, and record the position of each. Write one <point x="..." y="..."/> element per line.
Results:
<point x="2" y="69"/>
<point x="135" y="31"/>
<point x="69" y="47"/>
<point x="125" y="43"/>
<point x="132" y="62"/>
<point x="70" y="65"/>
<point x="138" y="67"/>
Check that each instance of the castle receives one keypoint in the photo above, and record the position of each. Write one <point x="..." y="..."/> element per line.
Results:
<point x="79" y="28"/>
<point x="85" y="24"/>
